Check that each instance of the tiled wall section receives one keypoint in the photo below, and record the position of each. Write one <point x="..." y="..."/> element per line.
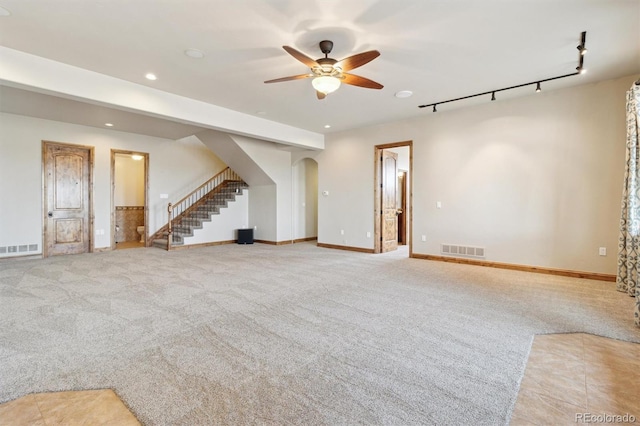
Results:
<point x="128" y="218"/>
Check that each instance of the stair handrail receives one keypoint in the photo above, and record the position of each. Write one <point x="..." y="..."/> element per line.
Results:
<point x="174" y="210"/>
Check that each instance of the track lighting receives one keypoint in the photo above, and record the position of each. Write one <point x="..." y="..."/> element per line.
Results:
<point x="580" y="69"/>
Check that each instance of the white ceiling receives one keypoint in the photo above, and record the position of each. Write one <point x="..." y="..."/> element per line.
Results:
<point x="438" y="49"/>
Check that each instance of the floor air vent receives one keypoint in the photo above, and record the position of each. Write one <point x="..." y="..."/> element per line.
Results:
<point x="456" y="250"/>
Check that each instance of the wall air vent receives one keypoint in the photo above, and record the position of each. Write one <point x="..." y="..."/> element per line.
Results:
<point x="19" y="249"/>
<point x="461" y="251"/>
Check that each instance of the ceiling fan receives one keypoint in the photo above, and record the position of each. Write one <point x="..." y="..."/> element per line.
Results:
<point x="327" y="73"/>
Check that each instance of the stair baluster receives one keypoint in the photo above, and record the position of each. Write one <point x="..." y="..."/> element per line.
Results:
<point x="169" y="226"/>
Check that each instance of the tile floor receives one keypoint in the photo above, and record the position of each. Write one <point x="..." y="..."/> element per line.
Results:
<point x="128" y="245"/>
<point x="570" y="379"/>
<point x="93" y="407"/>
<point x="579" y="379"/>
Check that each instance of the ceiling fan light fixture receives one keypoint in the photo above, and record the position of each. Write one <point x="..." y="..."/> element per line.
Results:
<point x="326" y="84"/>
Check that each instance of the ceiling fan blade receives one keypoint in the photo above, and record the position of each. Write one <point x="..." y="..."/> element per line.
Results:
<point x="320" y="95"/>
<point x="301" y="57"/>
<point x="356" y="80"/>
<point x="293" y="77"/>
<point x="358" y="60"/>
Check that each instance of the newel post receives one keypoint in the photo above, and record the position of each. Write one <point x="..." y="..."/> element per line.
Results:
<point x="169" y="226"/>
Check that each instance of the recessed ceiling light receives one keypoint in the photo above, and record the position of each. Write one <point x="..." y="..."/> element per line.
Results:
<point x="404" y="94"/>
<point x="4" y="12"/>
<point x="327" y="126"/>
<point x="194" y="53"/>
<point x="108" y="124"/>
<point x="151" y="76"/>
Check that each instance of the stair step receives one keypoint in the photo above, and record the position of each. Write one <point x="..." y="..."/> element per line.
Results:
<point x="162" y="243"/>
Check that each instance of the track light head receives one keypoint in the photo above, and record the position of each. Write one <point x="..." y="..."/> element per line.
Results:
<point x="493" y="96"/>
<point x="538" y="89"/>
<point x="434" y="108"/>
<point x="582" y="49"/>
<point x="581" y="70"/>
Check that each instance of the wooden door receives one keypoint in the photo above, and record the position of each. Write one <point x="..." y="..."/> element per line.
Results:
<point x="402" y="208"/>
<point x="389" y="208"/>
<point x="67" y="210"/>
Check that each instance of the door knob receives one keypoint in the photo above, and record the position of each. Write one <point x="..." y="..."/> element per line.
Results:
<point x="50" y="214"/>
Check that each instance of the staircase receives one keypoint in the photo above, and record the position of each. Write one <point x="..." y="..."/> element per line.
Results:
<point x="200" y="206"/>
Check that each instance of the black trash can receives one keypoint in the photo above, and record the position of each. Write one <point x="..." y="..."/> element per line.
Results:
<point x="245" y="236"/>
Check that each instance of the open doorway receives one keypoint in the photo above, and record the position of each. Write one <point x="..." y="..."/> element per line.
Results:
<point x="129" y="199"/>
<point x="393" y="196"/>
<point x="305" y="200"/>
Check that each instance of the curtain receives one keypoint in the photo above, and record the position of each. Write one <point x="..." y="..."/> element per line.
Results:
<point x="629" y="241"/>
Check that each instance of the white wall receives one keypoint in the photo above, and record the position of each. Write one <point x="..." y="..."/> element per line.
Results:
<point x="276" y="163"/>
<point x="535" y="180"/>
<point x="175" y="168"/>
<point x="262" y="212"/>
<point x="129" y="181"/>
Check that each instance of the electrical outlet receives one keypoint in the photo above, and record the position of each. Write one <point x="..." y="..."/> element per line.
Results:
<point x="438" y="204"/>
<point x="424" y="238"/>
<point x="602" y="251"/>
<point x="342" y="232"/>
<point x="368" y="234"/>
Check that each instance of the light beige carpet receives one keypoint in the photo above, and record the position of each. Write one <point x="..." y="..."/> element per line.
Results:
<point x="264" y="334"/>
